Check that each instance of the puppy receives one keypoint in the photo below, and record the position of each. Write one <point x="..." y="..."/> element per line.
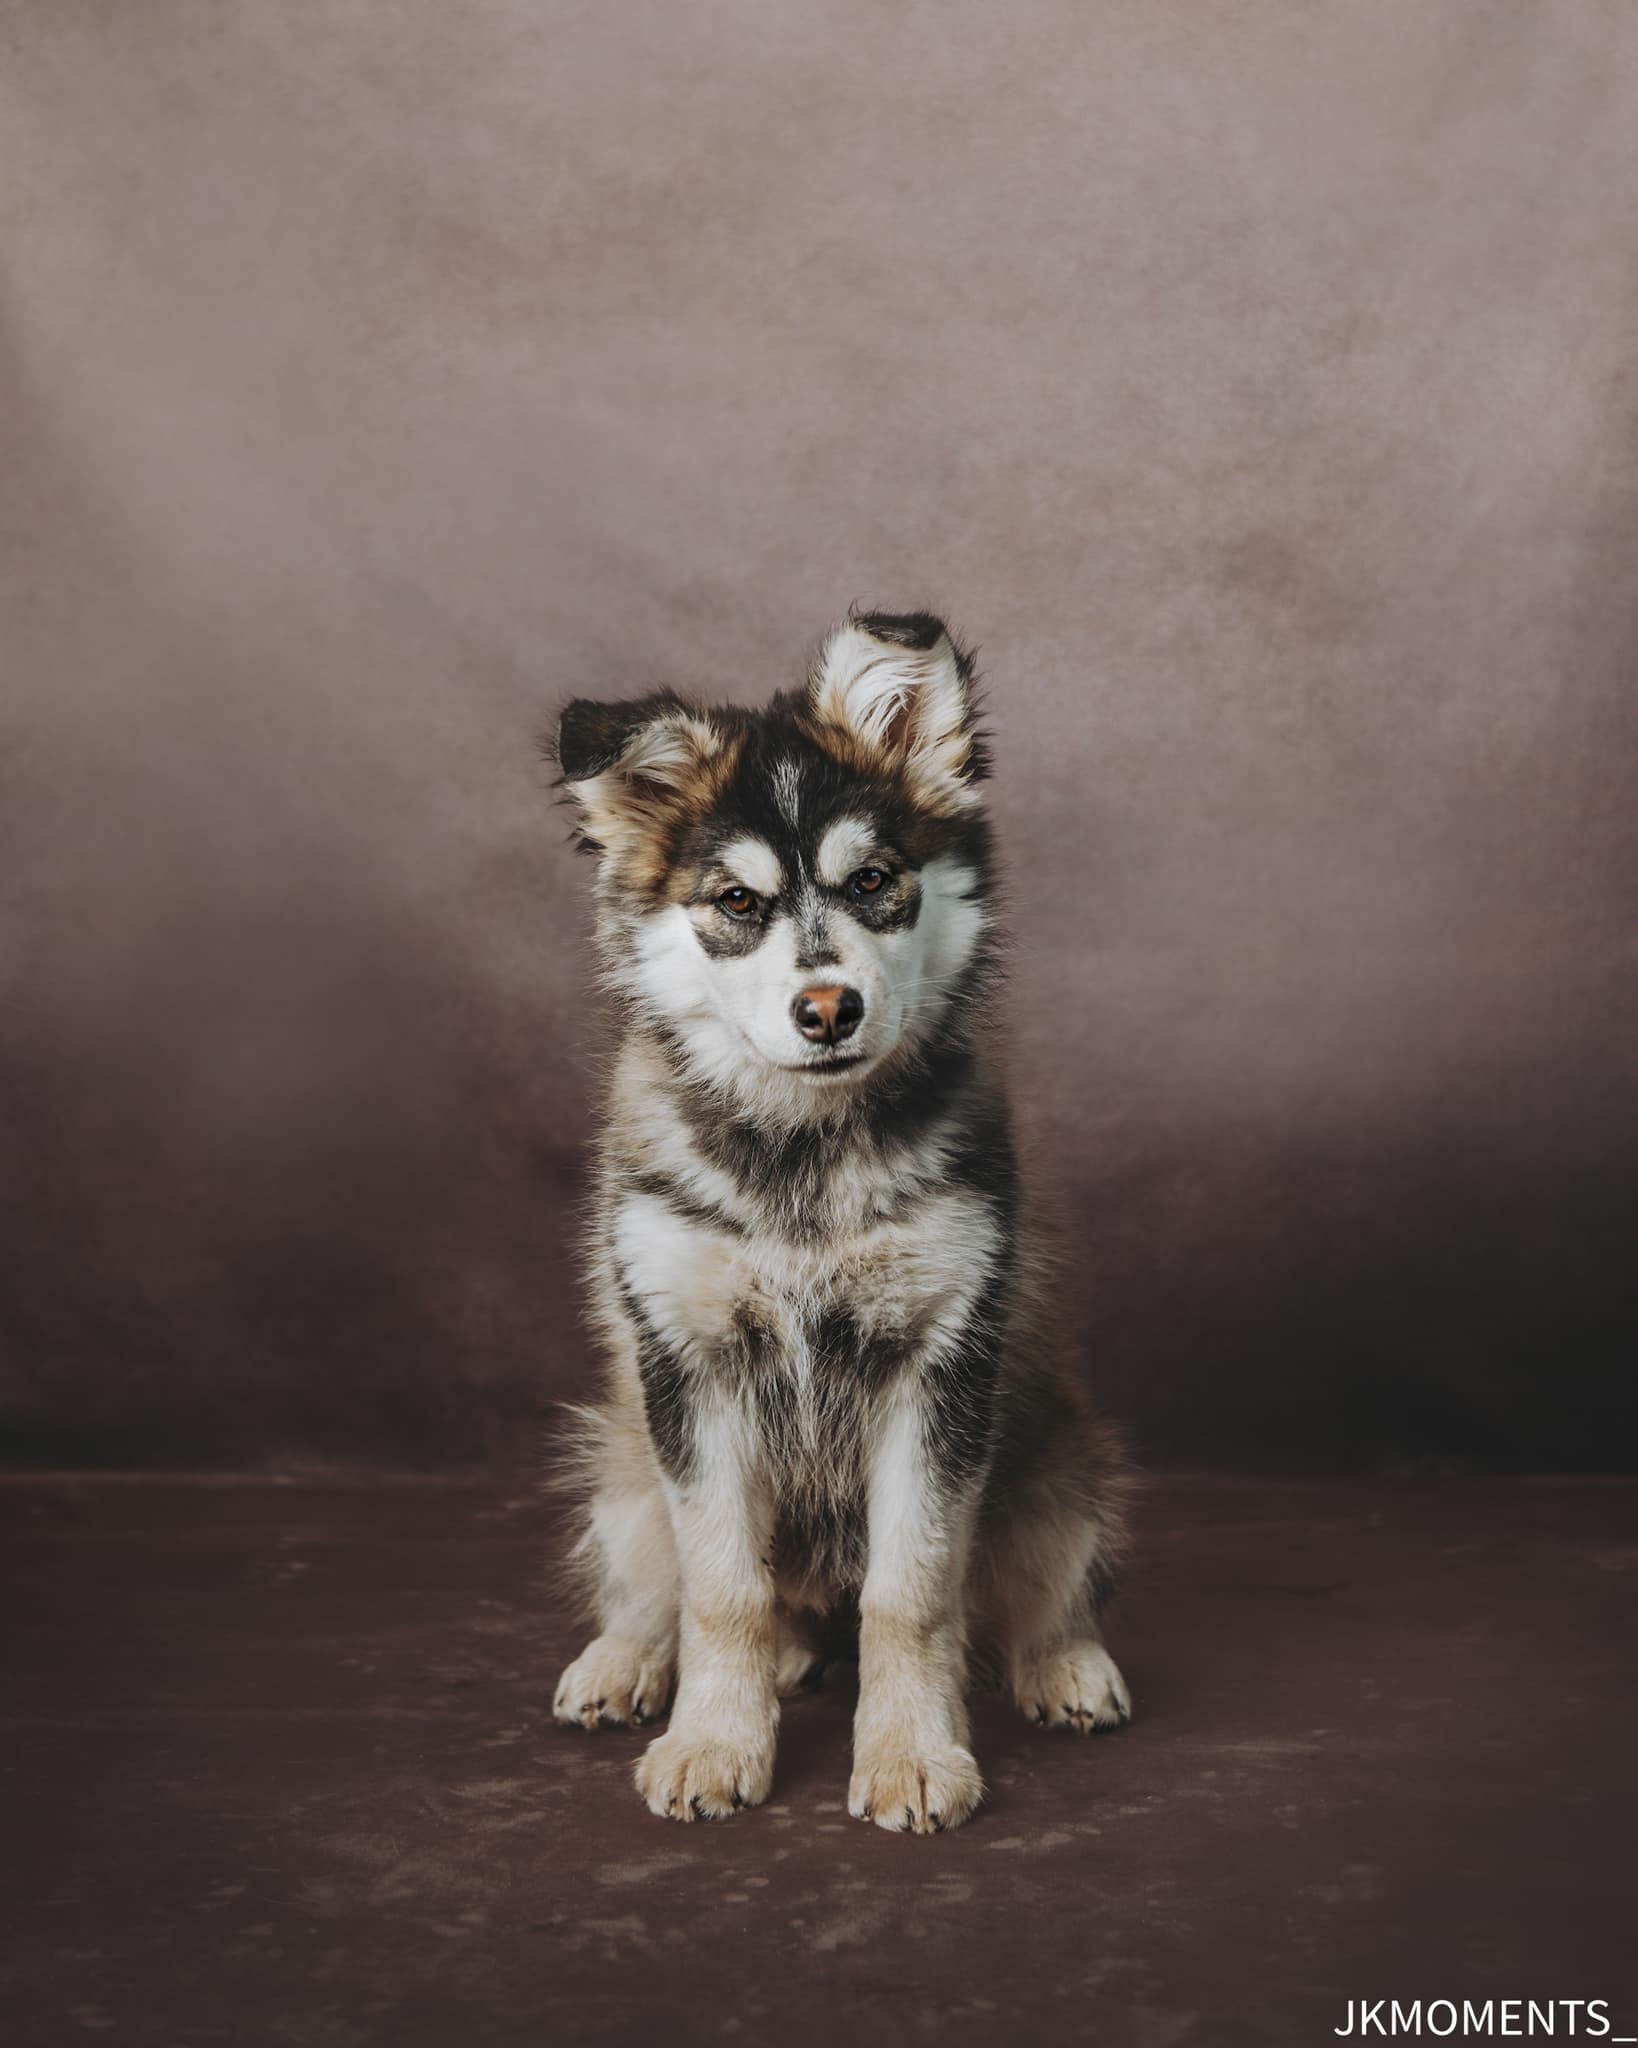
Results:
<point x="839" y="1378"/>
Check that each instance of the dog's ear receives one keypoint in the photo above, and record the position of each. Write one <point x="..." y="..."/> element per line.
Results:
<point x="632" y="768"/>
<point x="896" y="692"/>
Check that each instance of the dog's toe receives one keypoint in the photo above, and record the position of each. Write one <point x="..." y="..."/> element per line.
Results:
<point x="615" y="1681"/>
<point x="1074" y="1685"/>
<point x="913" y="1790"/>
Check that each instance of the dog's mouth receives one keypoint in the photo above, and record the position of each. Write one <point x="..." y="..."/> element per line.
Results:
<point x="832" y="1063"/>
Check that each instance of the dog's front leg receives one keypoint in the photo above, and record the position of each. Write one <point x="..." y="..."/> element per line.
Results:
<point x="718" y="1752"/>
<point x="911" y="1764"/>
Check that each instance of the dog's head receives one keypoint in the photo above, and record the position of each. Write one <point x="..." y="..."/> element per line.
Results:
<point x="797" y="898"/>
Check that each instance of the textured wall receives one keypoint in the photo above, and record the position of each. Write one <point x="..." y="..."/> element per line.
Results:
<point x="1254" y="383"/>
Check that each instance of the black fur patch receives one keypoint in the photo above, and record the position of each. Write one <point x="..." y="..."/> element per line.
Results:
<point x="919" y="630"/>
<point x="680" y="1201"/>
<point x="783" y="1171"/>
<point x="822" y="1540"/>
<point x="846" y="1356"/>
<point x="958" y="1419"/>
<point x="665" y="1393"/>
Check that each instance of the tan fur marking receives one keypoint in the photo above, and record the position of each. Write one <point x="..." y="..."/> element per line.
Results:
<point x="669" y="777"/>
<point x="897" y="710"/>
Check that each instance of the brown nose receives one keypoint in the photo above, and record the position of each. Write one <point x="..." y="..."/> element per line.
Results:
<point x="825" y="1015"/>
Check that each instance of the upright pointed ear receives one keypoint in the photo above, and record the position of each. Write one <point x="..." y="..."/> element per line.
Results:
<point x="895" y="694"/>
<point x="637" y="769"/>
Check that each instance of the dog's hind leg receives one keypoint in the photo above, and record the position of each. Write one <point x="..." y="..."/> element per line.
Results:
<point x="1040" y="1594"/>
<point x="628" y="1559"/>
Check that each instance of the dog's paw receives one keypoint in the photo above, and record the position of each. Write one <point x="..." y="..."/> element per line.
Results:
<point x="1076" y="1685"/>
<point x="687" y="1777"/>
<point x="922" y="1790"/>
<point x="616" y="1680"/>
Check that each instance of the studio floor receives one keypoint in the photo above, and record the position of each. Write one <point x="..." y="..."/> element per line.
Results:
<point x="279" y="1767"/>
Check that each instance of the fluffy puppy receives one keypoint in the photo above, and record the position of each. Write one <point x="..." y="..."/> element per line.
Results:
<point x="839" y="1378"/>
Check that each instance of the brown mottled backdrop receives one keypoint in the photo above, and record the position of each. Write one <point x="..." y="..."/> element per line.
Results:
<point x="1255" y="383"/>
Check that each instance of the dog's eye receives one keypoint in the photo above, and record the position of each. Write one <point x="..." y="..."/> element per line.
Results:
<point x="867" y="882"/>
<point x="737" y="902"/>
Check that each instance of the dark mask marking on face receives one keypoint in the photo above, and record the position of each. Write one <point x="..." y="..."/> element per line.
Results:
<point x="895" y="907"/>
<point x="787" y="790"/>
<point x="723" y="937"/>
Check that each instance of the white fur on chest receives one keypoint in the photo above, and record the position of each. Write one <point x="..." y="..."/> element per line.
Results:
<point x="911" y="1282"/>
